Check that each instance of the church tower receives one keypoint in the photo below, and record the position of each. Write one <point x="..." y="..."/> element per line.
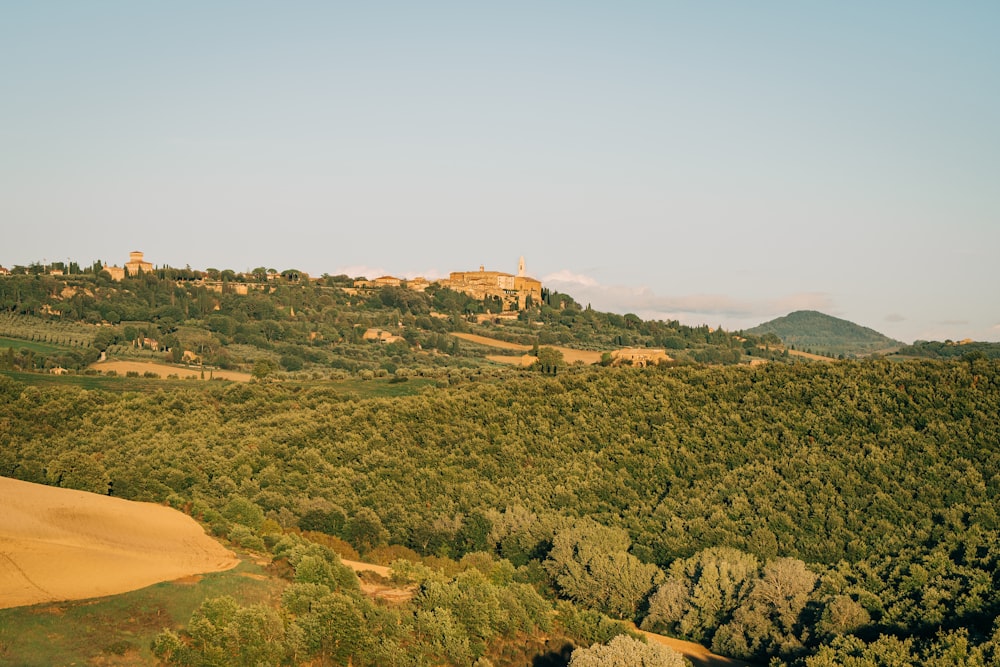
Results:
<point x="520" y="267"/>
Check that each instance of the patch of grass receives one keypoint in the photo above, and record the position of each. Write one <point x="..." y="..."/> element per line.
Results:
<point x="119" y="629"/>
<point x="114" y="384"/>
<point x="34" y="346"/>
<point x="379" y="388"/>
<point x="383" y="388"/>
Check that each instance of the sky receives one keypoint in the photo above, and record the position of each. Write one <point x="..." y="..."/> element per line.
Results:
<point x="718" y="163"/>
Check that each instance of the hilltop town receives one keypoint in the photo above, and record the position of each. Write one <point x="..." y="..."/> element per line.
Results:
<point x="508" y="291"/>
<point x="108" y="319"/>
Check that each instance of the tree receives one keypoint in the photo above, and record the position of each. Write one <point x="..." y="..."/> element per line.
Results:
<point x="590" y="564"/>
<point x="550" y="360"/>
<point x="244" y="512"/>
<point x="701" y="593"/>
<point x="624" y="651"/>
<point x="365" y="531"/>
<point x="262" y="369"/>
<point x="76" y="470"/>
<point x="334" y="627"/>
<point x="768" y="623"/>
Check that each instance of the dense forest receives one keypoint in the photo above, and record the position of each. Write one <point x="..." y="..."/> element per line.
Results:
<point x="814" y="515"/>
<point x="950" y="350"/>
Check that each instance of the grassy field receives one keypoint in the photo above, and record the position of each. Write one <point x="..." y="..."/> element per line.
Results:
<point x="361" y="388"/>
<point x="379" y="388"/>
<point x="570" y="355"/>
<point x="118" y="630"/>
<point x="41" y="348"/>
<point x="99" y="382"/>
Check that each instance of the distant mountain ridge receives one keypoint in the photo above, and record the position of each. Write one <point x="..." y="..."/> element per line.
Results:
<point x="817" y="332"/>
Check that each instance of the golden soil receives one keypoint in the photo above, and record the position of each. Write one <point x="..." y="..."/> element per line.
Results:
<point x="808" y="355"/>
<point x="523" y="360"/>
<point x="163" y="370"/>
<point x="492" y="342"/>
<point x="61" y="544"/>
<point x="383" y="591"/>
<point x="569" y="354"/>
<point x="696" y="653"/>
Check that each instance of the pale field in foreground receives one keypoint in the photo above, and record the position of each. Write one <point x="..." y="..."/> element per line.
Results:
<point x="61" y="544"/>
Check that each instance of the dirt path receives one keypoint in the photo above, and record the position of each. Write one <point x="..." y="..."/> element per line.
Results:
<point x="383" y="591"/>
<point x="523" y="360"/>
<point x="360" y="567"/>
<point x="696" y="653"/>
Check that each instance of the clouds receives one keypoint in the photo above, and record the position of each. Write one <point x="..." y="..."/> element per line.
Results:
<point x="692" y="309"/>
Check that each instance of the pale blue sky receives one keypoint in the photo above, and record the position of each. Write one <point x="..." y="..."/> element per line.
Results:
<point x="715" y="162"/>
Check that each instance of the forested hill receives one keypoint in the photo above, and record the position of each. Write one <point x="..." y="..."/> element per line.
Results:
<point x="820" y="515"/>
<point x="817" y="332"/>
<point x="950" y="349"/>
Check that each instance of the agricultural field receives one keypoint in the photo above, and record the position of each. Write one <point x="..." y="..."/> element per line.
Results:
<point x="120" y="629"/>
<point x="21" y="344"/>
<point x="55" y="332"/>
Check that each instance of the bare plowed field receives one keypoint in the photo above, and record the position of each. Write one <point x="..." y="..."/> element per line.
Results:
<point x="163" y="370"/>
<point x="569" y="354"/>
<point x="62" y="544"/>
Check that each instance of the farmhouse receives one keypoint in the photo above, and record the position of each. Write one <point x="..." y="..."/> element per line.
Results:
<point x="639" y="356"/>
<point x="381" y="336"/>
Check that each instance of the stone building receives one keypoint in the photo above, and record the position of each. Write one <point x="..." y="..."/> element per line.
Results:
<point x="136" y="264"/>
<point x="639" y="356"/>
<point x="513" y="290"/>
<point x="133" y="267"/>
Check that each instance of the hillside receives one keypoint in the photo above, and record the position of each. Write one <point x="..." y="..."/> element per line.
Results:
<point x="678" y="498"/>
<point x="819" y="333"/>
<point x="62" y="544"/>
<point x="311" y="329"/>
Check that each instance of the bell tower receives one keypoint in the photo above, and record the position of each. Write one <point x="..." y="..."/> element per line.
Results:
<point x="520" y="267"/>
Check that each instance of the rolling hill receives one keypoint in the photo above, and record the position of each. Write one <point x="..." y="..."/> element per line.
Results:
<point x="823" y="334"/>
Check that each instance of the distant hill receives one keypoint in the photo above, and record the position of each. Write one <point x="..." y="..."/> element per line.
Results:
<point x="816" y="332"/>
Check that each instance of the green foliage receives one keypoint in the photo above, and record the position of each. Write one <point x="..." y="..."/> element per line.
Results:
<point x="970" y="351"/>
<point x="590" y="564"/>
<point x="365" y="531"/>
<point x="623" y="651"/>
<point x="550" y="360"/>
<point x="119" y="629"/>
<point x="701" y="593"/>
<point x="853" y="500"/>
<point x="244" y="512"/>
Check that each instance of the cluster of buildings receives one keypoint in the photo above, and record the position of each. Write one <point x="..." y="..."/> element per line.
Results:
<point x="516" y="292"/>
